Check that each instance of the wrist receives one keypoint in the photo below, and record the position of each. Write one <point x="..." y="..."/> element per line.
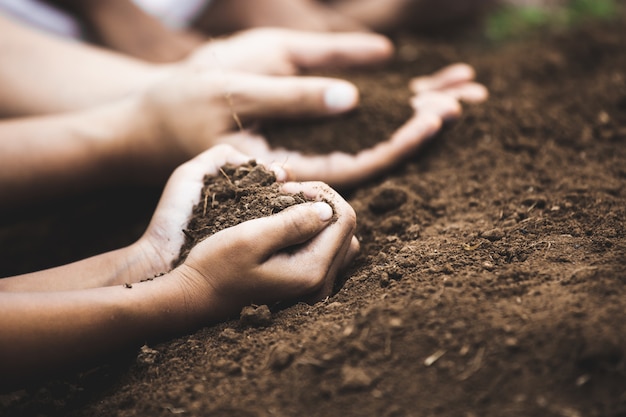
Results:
<point x="202" y="303"/>
<point x="134" y="149"/>
<point x="140" y="262"/>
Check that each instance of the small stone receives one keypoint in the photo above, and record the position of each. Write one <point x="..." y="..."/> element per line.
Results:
<point x="256" y="316"/>
<point x="447" y="269"/>
<point x="511" y="342"/>
<point x="395" y="323"/>
<point x="228" y="367"/>
<point x="147" y="356"/>
<point x="385" y="280"/>
<point x="387" y="199"/>
<point x="229" y="335"/>
<point x="281" y="357"/>
<point x="353" y="378"/>
<point x="413" y="231"/>
<point x="493" y="234"/>
<point x="282" y="202"/>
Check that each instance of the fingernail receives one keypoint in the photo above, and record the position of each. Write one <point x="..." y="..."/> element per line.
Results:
<point x="341" y="97"/>
<point x="324" y="211"/>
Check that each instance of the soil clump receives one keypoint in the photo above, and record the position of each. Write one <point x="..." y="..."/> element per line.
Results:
<point x="238" y="194"/>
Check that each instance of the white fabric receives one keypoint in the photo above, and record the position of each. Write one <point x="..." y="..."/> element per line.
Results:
<point x="43" y="16"/>
<point x="173" y="13"/>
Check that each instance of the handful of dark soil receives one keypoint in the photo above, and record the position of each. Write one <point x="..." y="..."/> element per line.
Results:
<point x="383" y="108"/>
<point x="237" y="194"/>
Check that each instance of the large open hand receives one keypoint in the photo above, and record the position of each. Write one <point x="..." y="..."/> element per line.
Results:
<point x="437" y="100"/>
<point x="188" y="113"/>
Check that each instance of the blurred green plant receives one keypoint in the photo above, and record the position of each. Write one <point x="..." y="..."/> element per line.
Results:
<point x="510" y="22"/>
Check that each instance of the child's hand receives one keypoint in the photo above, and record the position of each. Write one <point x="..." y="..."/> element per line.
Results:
<point x="294" y="254"/>
<point x="164" y="236"/>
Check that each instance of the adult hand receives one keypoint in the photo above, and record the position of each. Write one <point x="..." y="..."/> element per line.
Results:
<point x="285" y="52"/>
<point x="197" y="110"/>
<point x="437" y="100"/>
<point x="187" y="114"/>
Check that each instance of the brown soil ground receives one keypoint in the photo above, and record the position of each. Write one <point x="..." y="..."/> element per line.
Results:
<point x="491" y="280"/>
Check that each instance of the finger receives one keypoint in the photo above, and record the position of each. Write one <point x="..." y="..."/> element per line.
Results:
<point x="324" y="288"/>
<point x="344" y="170"/>
<point x="469" y="92"/>
<point x="292" y="226"/>
<point x="317" y="50"/>
<point x="353" y="251"/>
<point x="316" y="263"/>
<point x="344" y="257"/>
<point x="443" y="105"/>
<point x="446" y="77"/>
<point x="259" y="96"/>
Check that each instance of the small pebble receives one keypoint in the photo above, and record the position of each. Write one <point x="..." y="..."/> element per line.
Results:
<point x="493" y="234"/>
<point x="256" y="316"/>
<point x="353" y="378"/>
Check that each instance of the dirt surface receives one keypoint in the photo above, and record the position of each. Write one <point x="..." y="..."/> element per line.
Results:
<point x="491" y="280"/>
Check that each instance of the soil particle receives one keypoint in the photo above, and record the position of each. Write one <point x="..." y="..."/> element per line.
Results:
<point x="493" y="234"/>
<point x="256" y="316"/>
<point x="147" y="356"/>
<point x="387" y="199"/>
<point x="353" y="378"/>
<point x="281" y="356"/>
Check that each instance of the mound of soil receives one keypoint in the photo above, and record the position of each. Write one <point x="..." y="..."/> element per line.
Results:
<point x="241" y="193"/>
<point x="491" y="280"/>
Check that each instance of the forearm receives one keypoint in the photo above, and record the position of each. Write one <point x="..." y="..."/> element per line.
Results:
<point x="50" y="155"/>
<point x="43" y="74"/>
<point x="127" y="265"/>
<point x="49" y="332"/>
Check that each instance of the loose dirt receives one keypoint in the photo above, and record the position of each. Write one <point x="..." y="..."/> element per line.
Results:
<point x="491" y="280"/>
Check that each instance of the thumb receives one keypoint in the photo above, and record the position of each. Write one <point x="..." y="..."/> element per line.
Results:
<point x="348" y="49"/>
<point x="292" y="226"/>
<point x="260" y="96"/>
